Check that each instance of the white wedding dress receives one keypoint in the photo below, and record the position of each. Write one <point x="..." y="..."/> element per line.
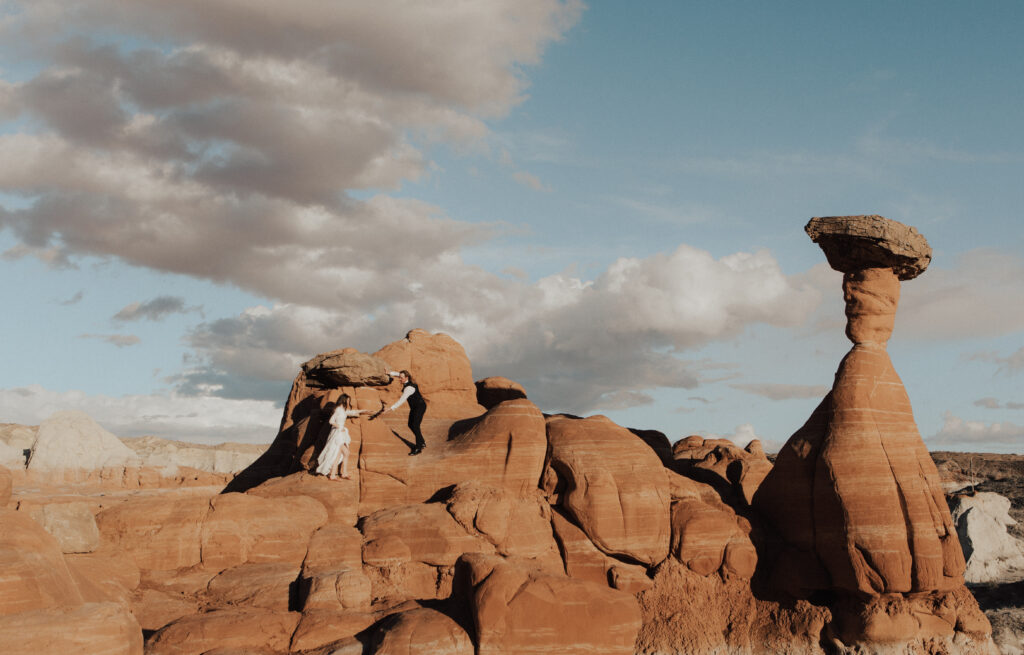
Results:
<point x="338" y="438"/>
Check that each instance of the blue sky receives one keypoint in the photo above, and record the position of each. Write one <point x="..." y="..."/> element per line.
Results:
<point x="604" y="202"/>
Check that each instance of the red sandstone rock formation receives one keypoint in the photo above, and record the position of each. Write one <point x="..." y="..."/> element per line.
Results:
<point x="493" y="390"/>
<point x="736" y="472"/>
<point x="854" y="493"/>
<point x="503" y="448"/>
<point x="437" y="363"/>
<point x="612" y="485"/>
<point x="421" y="632"/>
<point x="517" y="608"/>
<point x="47" y="607"/>
<point x="512" y="533"/>
<point x="440" y="367"/>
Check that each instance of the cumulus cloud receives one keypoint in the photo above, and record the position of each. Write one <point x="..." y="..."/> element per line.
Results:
<point x="233" y="150"/>
<point x="777" y="391"/>
<point x="170" y="416"/>
<point x="579" y="344"/>
<point x="972" y="435"/>
<point x="154" y="309"/>
<point x="119" y="340"/>
<point x="258" y="146"/>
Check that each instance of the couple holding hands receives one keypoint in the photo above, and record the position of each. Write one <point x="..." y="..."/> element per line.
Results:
<point x="336" y="451"/>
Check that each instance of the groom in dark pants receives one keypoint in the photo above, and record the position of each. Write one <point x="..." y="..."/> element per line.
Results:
<point x="417" y="407"/>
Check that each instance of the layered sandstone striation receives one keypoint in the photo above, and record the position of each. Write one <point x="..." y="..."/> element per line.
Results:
<point x="854" y="494"/>
<point x="47" y="606"/>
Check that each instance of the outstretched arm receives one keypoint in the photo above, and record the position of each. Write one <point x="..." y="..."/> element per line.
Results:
<point x="408" y="391"/>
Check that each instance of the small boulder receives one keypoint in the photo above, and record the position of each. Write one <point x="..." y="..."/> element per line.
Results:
<point x="493" y="390"/>
<point x="347" y="368"/>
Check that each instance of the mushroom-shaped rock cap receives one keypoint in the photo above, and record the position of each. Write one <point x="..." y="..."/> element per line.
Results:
<point x="853" y="243"/>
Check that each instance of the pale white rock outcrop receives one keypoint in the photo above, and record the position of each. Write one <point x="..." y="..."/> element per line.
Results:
<point x="992" y="554"/>
<point x="11" y="457"/>
<point x="17" y="436"/>
<point x="222" y="458"/>
<point x="73" y="440"/>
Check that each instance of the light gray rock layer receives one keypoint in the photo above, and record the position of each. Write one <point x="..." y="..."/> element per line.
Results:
<point x="992" y="554"/>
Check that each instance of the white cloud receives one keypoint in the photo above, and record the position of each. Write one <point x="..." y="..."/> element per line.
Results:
<point x="233" y="150"/>
<point x="577" y="345"/>
<point x="203" y="420"/>
<point x="778" y="391"/>
<point x="964" y="434"/>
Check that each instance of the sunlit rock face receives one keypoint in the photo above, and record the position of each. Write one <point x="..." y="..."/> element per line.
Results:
<point x="854" y="493"/>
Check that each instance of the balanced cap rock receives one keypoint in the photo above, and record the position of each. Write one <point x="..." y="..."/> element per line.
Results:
<point x="854" y="243"/>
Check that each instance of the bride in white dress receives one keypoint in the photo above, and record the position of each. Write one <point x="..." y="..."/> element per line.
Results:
<point x="336" y="449"/>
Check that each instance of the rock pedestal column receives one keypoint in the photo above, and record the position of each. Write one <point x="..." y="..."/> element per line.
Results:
<point x="855" y="490"/>
<point x="854" y="494"/>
